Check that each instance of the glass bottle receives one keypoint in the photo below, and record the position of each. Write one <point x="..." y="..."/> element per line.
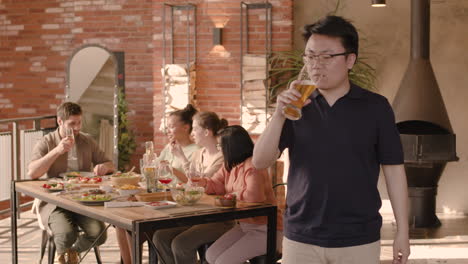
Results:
<point x="149" y="167"/>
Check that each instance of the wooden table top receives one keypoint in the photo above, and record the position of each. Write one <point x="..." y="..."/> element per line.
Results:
<point x="125" y="216"/>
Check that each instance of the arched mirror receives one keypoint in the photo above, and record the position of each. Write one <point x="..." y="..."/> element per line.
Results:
<point x="92" y="83"/>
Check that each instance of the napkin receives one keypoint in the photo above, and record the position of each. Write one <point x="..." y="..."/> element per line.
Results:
<point x="122" y="204"/>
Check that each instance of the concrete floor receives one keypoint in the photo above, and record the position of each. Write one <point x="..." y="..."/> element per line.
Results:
<point x="447" y="244"/>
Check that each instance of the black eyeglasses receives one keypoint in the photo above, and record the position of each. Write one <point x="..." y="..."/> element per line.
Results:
<point x="323" y="59"/>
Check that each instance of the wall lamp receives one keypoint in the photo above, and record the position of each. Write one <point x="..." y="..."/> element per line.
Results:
<point x="378" y="3"/>
<point x="217" y="36"/>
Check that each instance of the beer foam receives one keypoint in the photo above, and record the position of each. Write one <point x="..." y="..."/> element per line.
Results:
<point x="307" y="82"/>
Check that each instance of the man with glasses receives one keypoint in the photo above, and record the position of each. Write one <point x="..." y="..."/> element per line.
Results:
<point x="336" y="150"/>
<point x="51" y="156"/>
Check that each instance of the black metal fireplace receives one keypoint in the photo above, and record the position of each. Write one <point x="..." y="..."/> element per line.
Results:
<point x="422" y="119"/>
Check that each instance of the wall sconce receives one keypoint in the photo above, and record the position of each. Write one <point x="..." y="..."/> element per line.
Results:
<point x="217" y="36"/>
<point x="378" y="3"/>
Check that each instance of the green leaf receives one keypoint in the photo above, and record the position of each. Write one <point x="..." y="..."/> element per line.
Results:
<point x="126" y="142"/>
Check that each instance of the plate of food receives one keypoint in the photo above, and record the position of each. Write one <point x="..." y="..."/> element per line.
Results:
<point x="128" y="189"/>
<point x="53" y="186"/>
<point x="89" y="180"/>
<point x="93" y="197"/>
<point x="119" y="178"/>
<point x="160" y="204"/>
<point x="76" y="174"/>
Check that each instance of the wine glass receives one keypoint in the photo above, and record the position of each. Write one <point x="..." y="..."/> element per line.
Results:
<point x="72" y="152"/>
<point x="196" y="172"/>
<point x="165" y="176"/>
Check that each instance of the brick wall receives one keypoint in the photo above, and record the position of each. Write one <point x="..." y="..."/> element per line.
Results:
<point x="37" y="38"/>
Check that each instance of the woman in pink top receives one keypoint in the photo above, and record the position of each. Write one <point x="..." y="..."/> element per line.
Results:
<point x="247" y="239"/>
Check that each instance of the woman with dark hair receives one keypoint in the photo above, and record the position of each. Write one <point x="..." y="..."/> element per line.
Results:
<point x="179" y="127"/>
<point x="180" y="244"/>
<point x="247" y="239"/>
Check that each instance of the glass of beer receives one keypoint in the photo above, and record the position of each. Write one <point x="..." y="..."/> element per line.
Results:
<point x="305" y="86"/>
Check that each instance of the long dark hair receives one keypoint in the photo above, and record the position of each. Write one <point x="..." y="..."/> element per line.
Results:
<point x="236" y="145"/>
<point x="185" y="115"/>
<point x="210" y="121"/>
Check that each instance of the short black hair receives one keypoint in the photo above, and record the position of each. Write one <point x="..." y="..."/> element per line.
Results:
<point x="185" y="115"/>
<point x="67" y="109"/>
<point x="335" y="26"/>
<point x="236" y="145"/>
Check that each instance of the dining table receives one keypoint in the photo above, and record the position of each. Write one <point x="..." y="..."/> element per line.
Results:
<point x="142" y="220"/>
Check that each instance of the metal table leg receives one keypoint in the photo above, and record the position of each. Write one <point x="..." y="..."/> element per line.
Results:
<point x="136" y="246"/>
<point x="271" y="236"/>
<point x="14" y="234"/>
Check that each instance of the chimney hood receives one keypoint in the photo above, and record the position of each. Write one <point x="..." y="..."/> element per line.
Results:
<point x="422" y="120"/>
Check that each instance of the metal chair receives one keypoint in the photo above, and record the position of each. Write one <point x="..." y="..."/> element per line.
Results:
<point x="49" y="239"/>
<point x="262" y="259"/>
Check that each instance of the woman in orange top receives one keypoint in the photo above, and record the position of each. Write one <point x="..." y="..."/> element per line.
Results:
<point x="247" y="239"/>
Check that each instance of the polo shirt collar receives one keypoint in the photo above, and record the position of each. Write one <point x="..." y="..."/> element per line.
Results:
<point x="354" y="92"/>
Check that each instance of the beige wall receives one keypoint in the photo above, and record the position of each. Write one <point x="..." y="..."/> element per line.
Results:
<point x="386" y="31"/>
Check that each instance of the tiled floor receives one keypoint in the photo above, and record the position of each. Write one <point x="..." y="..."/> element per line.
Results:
<point x="445" y="245"/>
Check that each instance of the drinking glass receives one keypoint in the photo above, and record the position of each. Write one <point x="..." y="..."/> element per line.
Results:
<point x="149" y="147"/>
<point x="142" y="165"/>
<point x="149" y="172"/>
<point x="165" y="176"/>
<point x="72" y="152"/>
<point x="305" y="86"/>
<point x="196" y="172"/>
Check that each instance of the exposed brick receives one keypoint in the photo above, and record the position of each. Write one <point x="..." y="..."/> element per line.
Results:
<point x="6" y="105"/>
<point x="50" y="26"/>
<point x="23" y="48"/>
<point x="26" y="110"/>
<point x="82" y="3"/>
<point x="54" y="80"/>
<point x="15" y="27"/>
<point x="77" y="30"/>
<point x="54" y="10"/>
<point x="157" y="36"/>
<point x="134" y="27"/>
<point x="112" y="7"/>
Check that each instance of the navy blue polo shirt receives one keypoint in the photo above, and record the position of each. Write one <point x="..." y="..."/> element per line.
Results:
<point x="335" y="156"/>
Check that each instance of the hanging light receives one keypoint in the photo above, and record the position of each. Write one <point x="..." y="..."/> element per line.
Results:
<point x="378" y="3"/>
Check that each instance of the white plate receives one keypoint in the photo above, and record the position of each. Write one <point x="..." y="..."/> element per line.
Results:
<point x="82" y="174"/>
<point x="93" y="203"/>
<point x="53" y="190"/>
<point x="54" y="182"/>
<point x="163" y="204"/>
